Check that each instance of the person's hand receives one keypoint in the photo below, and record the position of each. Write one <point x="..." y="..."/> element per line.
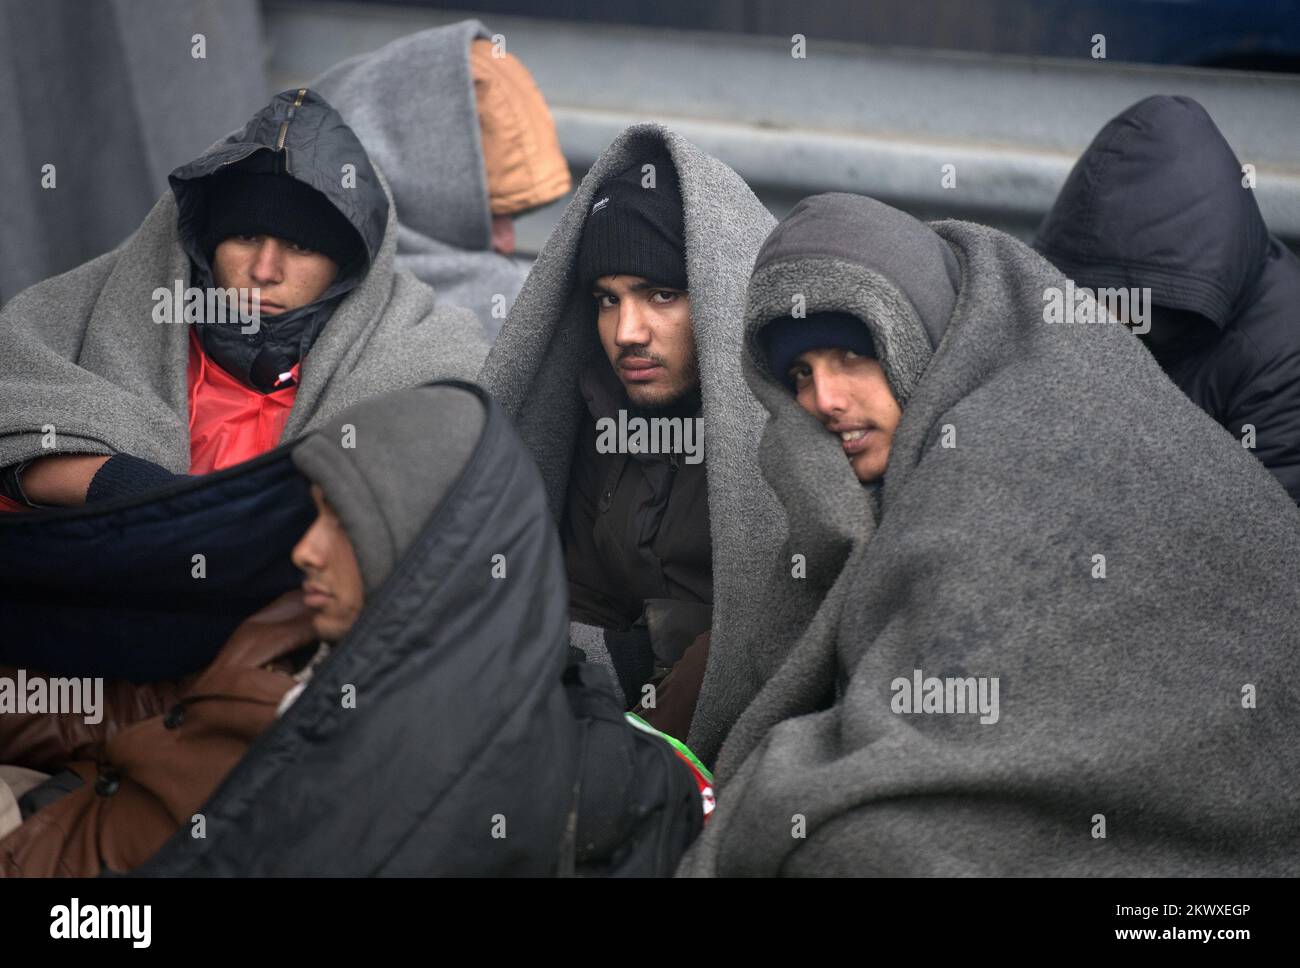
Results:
<point x="61" y="479"/>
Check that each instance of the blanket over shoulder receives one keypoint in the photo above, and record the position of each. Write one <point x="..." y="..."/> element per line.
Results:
<point x="1058" y="520"/>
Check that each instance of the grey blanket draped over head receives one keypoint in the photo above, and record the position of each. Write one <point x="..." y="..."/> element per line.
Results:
<point x="551" y="335"/>
<point x="81" y="354"/>
<point x="412" y="104"/>
<point x="1145" y="718"/>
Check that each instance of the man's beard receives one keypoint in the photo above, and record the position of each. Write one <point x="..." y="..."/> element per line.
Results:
<point x="685" y="402"/>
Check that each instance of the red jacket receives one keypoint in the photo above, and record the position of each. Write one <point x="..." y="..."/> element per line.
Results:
<point x="229" y="422"/>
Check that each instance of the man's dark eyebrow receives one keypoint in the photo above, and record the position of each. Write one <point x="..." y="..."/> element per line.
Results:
<point x="647" y="284"/>
<point x="644" y="285"/>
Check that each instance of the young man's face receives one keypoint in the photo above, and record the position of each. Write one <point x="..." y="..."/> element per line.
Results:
<point x="646" y="331"/>
<point x="849" y="394"/>
<point x="332" y="586"/>
<point x="288" y="275"/>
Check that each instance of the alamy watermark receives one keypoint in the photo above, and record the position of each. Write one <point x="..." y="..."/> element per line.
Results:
<point x="192" y="304"/>
<point x="952" y="695"/>
<point x="651" y="435"/>
<point x="38" y="694"/>
<point x="76" y="921"/>
<point x="1079" y="304"/>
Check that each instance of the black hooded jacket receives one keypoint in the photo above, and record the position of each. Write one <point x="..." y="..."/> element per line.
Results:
<point x="1160" y="200"/>
<point x="301" y="136"/>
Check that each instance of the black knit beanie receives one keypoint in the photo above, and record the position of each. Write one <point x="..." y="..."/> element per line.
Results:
<point x="785" y="339"/>
<point x="261" y="203"/>
<point x="634" y="230"/>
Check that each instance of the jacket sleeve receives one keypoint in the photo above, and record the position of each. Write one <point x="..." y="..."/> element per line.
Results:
<point x="125" y="474"/>
<point x="1268" y="399"/>
<point x="41" y="741"/>
<point x="47" y="742"/>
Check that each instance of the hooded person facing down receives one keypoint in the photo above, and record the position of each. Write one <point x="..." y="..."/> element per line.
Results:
<point x="1027" y="661"/>
<point x="631" y="313"/>
<point x="1158" y="201"/>
<point x="142" y="364"/>
<point x="466" y="140"/>
<point x="163" y="748"/>
<point x="381" y="718"/>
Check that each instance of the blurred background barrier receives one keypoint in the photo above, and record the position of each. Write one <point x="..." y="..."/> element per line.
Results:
<point x="113" y="94"/>
<point x="848" y="116"/>
<point x="111" y="90"/>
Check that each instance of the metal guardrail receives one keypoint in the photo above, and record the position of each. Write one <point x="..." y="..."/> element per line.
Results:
<point x="845" y="117"/>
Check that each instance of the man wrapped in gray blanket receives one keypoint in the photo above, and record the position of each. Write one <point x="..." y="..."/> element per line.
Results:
<point x="1049" y="607"/>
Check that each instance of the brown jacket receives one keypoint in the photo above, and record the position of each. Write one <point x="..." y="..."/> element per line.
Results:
<point x="159" y="753"/>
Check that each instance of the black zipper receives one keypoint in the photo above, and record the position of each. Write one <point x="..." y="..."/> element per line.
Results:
<point x="284" y="126"/>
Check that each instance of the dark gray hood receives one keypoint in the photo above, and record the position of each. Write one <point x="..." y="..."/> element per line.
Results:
<point x="1157" y="201"/>
<point x="298" y="134"/>
<point x="853" y="254"/>
<point x="456" y="669"/>
<point x="412" y="103"/>
<point x="386" y="474"/>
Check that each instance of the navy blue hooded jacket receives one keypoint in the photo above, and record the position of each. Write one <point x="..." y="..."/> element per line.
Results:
<point x="1159" y="200"/>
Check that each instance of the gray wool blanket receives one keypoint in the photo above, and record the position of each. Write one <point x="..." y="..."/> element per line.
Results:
<point x="551" y="334"/>
<point x="81" y="353"/>
<point x="1056" y="523"/>
<point x="412" y="105"/>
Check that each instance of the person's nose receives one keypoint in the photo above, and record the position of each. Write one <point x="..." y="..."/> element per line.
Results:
<point x="306" y="556"/>
<point x="268" y="263"/>
<point x="829" y="394"/>
<point x="632" y="329"/>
